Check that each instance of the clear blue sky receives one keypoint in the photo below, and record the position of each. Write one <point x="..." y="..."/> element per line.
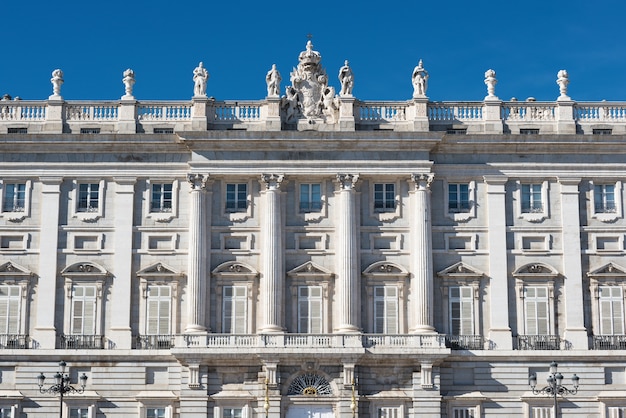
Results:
<point x="526" y="42"/>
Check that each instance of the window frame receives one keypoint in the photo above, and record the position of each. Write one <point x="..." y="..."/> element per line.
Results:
<point x="387" y="214"/>
<point x="233" y="273"/>
<point x="609" y="275"/>
<point x="156" y="215"/>
<point x="305" y="275"/>
<point x="12" y="274"/>
<point x="15" y="216"/>
<point x="606" y="216"/>
<point x="381" y="274"/>
<point x="534" y="216"/>
<point x="234" y="299"/>
<point x="237" y="216"/>
<point x="312" y="216"/>
<point x="460" y="216"/>
<point x="88" y="216"/>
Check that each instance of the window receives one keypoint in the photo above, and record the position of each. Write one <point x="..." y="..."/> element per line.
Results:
<point x="384" y="197"/>
<point x="310" y="309"/>
<point x="529" y="131"/>
<point x="88" y="197"/>
<point x="83" y="314"/>
<point x="10" y="301"/>
<point x="536" y="306"/>
<point x="89" y="130"/>
<point x="386" y="310"/>
<point x="541" y="412"/>
<point x="458" y="197"/>
<point x="464" y="413"/>
<point x="234" y="309"/>
<point x="17" y="131"/>
<point x="161" y="198"/>
<point x="531" y="198"/>
<point x="602" y="131"/>
<point x="604" y="198"/>
<point x="163" y="130"/>
<point x="310" y="197"/>
<point x="158" y="305"/>
<point x="390" y="412"/>
<point x="236" y="197"/>
<point x="155" y="412"/>
<point x="611" y="310"/>
<point x="14" y="197"/>
<point x="616" y="412"/>
<point x="79" y="412"/>
<point x="461" y="306"/>
<point x="232" y="413"/>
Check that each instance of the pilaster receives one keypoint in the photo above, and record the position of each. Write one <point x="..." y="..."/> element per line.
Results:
<point x="120" y="332"/>
<point x="44" y="331"/>
<point x="575" y="332"/>
<point x="565" y="122"/>
<point x="197" y="279"/>
<point x="500" y="332"/>
<point x="419" y="113"/>
<point x="272" y="116"/>
<point x="347" y="283"/>
<point x="55" y="116"/>
<point x="422" y="257"/>
<point x="491" y="116"/>
<point x="199" y="114"/>
<point x="273" y="274"/>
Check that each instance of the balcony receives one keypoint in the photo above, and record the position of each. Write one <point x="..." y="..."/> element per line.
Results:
<point x="154" y="342"/>
<point x="80" y="342"/>
<point x="465" y="342"/>
<point x="538" y="342"/>
<point x="609" y="342"/>
<point x="14" y="341"/>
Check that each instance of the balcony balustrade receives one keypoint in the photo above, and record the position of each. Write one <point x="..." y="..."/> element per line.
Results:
<point x="465" y="342"/>
<point x="154" y="342"/>
<point x="14" y="341"/>
<point x="80" y="342"/>
<point x="538" y="342"/>
<point x="609" y="342"/>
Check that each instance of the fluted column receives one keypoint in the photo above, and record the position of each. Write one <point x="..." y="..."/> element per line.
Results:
<point x="272" y="263"/>
<point x="347" y="283"/>
<point x="422" y="278"/>
<point x="198" y="256"/>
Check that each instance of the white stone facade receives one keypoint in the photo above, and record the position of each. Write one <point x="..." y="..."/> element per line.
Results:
<point x="312" y="255"/>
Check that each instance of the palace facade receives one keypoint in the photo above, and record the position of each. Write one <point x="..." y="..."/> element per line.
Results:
<point x="312" y="255"/>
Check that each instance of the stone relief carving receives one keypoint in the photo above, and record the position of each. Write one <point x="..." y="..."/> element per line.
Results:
<point x="309" y="95"/>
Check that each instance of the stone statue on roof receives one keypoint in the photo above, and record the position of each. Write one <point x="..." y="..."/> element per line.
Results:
<point x="420" y="80"/>
<point x="273" y="80"/>
<point x="200" y="78"/>
<point x="346" y="78"/>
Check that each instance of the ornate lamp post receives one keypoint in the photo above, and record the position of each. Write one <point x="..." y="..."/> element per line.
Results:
<point x="555" y="386"/>
<point x="61" y="385"/>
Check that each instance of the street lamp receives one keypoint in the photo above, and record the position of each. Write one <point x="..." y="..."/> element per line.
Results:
<point x="61" y="385"/>
<point x="555" y="386"/>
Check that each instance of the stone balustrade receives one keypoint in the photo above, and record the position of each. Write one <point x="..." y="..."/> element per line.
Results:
<point x="488" y="117"/>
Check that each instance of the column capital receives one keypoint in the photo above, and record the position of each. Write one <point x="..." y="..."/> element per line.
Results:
<point x="272" y="181"/>
<point x="198" y="181"/>
<point x="422" y="180"/>
<point x="347" y="181"/>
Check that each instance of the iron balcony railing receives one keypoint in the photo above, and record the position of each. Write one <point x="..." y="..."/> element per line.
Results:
<point x="609" y="342"/>
<point x="538" y="342"/>
<point x="14" y="341"/>
<point x="154" y="342"/>
<point x="465" y="342"/>
<point x="81" y="342"/>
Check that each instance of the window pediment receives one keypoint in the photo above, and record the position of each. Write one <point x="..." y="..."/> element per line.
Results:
<point x="85" y="270"/>
<point x="310" y="269"/>
<point x="611" y="270"/>
<point x="536" y="271"/>
<point x="12" y="269"/>
<point x="385" y="269"/>
<point x="158" y="270"/>
<point x="460" y="270"/>
<point x="235" y="269"/>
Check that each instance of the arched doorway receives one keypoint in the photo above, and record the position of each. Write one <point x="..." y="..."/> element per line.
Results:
<point x="307" y="392"/>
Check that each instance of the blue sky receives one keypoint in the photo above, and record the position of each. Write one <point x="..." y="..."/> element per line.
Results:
<point x="526" y="42"/>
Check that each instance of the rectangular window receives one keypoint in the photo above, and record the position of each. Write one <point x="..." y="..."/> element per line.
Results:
<point x="617" y="412"/>
<point x="541" y="412"/>
<point x="531" y="198"/>
<point x="235" y="310"/>
<point x="88" y="196"/>
<point x="310" y="197"/>
<point x="310" y="309"/>
<point x="83" y="318"/>
<point x="604" y="198"/>
<point x="5" y="413"/>
<point x="155" y="412"/>
<point x="236" y="197"/>
<point x="161" y="199"/>
<point x="611" y="310"/>
<point x="461" y="302"/>
<point x="79" y="413"/>
<point x="159" y="307"/>
<point x="232" y="413"/>
<point x="9" y="309"/>
<point x="464" y="413"/>
<point x="389" y="412"/>
<point x="384" y="197"/>
<point x="458" y="198"/>
<point x="14" y="197"/>
<point x="536" y="304"/>
<point x="385" y="310"/>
